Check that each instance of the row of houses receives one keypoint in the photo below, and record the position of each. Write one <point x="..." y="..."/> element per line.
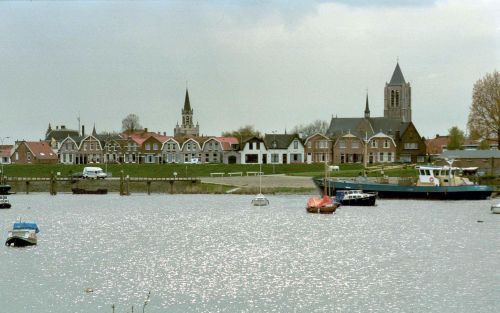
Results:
<point x="154" y="148"/>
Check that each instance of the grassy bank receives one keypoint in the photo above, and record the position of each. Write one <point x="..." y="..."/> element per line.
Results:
<point x="200" y="170"/>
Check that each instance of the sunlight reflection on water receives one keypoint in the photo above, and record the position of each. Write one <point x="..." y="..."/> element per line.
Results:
<point x="217" y="253"/>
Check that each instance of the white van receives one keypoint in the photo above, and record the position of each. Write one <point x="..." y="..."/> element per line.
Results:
<point x="94" y="172"/>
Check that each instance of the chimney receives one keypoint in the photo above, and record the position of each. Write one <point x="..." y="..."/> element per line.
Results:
<point x="83" y="130"/>
<point x="63" y="126"/>
<point x="164" y="133"/>
<point x="57" y="127"/>
<point x="145" y="129"/>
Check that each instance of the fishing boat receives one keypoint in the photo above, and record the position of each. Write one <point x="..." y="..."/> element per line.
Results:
<point x="434" y="182"/>
<point x="495" y="208"/>
<point x="4" y="189"/>
<point x="260" y="199"/>
<point x="355" y="197"/>
<point x="22" y="234"/>
<point x="81" y="191"/>
<point x="4" y="203"/>
<point x="323" y="205"/>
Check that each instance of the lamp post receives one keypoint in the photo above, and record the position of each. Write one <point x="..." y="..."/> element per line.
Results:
<point x="274" y="148"/>
<point x="1" y="171"/>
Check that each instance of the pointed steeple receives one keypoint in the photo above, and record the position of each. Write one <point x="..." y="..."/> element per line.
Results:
<point x="94" y="133"/>
<point x="367" y="108"/>
<point x="187" y="105"/>
<point x="397" y="77"/>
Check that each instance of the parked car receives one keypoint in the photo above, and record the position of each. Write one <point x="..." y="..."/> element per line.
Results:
<point x="94" y="173"/>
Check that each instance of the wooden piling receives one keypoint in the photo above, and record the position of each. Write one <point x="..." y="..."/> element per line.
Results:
<point x="148" y="183"/>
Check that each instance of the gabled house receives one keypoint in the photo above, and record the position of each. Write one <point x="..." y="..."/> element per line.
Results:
<point x="254" y="151"/>
<point x="190" y="149"/>
<point x="171" y="151"/>
<point x="33" y="152"/>
<point x="55" y="136"/>
<point x="348" y="148"/>
<point x="144" y="146"/>
<point x="69" y="149"/>
<point x="284" y="148"/>
<point x="381" y="148"/>
<point x="318" y="148"/>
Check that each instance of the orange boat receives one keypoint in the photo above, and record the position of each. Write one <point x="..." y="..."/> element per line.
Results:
<point x="323" y="205"/>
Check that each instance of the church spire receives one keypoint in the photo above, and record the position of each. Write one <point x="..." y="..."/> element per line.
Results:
<point x="397" y="76"/>
<point x="187" y="104"/>
<point x="367" y="108"/>
<point x="94" y="133"/>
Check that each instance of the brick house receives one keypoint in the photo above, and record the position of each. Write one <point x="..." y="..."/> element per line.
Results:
<point x="33" y="152"/>
<point x="381" y="148"/>
<point x="318" y="148"/>
<point x="348" y="149"/>
<point x="5" y="152"/>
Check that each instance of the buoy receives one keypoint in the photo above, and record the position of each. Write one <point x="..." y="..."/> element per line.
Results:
<point x="88" y="290"/>
<point x="479" y="221"/>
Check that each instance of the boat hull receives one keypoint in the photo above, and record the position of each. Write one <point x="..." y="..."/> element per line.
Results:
<point x="20" y="242"/>
<point x="80" y="191"/>
<point x="495" y="209"/>
<point x="330" y="209"/>
<point x="366" y="201"/>
<point x="5" y="205"/>
<point x="468" y="192"/>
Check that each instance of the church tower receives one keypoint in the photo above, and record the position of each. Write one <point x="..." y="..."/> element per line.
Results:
<point x="187" y="127"/>
<point x="397" y="97"/>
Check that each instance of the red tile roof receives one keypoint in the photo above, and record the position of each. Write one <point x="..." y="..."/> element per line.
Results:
<point x="41" y="150"/>
<point x="226" y="142"/>
<point x="5" y="151"/>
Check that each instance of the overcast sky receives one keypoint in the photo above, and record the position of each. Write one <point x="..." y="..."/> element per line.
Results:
<point x="271" y="64"/>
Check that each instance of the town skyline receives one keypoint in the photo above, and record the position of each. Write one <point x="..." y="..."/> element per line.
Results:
<point x="245" y="64"/>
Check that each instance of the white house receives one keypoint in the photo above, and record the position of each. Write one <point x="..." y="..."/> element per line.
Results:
<point x="284" y="148"/>
<point x="254" y="151"/>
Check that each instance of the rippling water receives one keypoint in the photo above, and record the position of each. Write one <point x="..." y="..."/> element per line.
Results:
<point x="217" y="253"/>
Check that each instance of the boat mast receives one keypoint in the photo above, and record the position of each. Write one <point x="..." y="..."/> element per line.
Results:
<point x="325" y="188"/>
<point x="260" y="178"/>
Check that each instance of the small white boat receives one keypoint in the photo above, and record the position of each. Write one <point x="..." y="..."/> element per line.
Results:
<point x="260" y="200"/>
<point x="22" y="234"/>
<point x="4" y="203"/>
<point x="495" y="208"/>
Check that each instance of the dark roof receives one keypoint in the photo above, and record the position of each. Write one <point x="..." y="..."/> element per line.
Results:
<point x="60" y="134"/>
<point x="282" y="140"/>
<point x="187" y="104"/>
<point x="397" y="77"/>
<point x="366" y="127"/>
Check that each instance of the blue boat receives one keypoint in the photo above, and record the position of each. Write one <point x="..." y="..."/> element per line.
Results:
<point x="437" y="183"/>
<point x="22" y="234"/>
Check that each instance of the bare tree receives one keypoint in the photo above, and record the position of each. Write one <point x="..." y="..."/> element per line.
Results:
<point x="318" y="126"/>
<point x="131" y="123"/>
<point x="484" y="115"/>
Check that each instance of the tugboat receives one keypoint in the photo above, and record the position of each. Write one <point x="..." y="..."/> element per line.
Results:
<point x="355" y="197"/>
<point x="4" y="203"/>
<point x="22" y="234"/>
<point x="434" y="182"/>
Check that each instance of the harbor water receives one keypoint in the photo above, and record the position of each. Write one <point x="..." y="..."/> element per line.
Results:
<point x="217" y="253"/>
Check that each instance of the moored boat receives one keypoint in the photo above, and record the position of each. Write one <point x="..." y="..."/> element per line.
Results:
<point x="323" y="205"/>
<point x="4" y="189"/>
<point x="4" y="203"/>
<point x="495" y="208"/>
<point x="355" y="197"/>
<point x="22" y="234"/>
<point x="260" y="200"/>
<point x="434" y="182"/>
<point x="81" y="191"/>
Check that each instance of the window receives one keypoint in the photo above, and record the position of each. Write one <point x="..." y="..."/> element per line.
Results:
<point x="258" y="145"/>
<point x="342" y="144"/>
<point x="411" y="146"/>
<point x="421" y="159"/>
<point x="389" y="157"/>
<point x="374" y="143"/>
<point x="309" y="145"/>
<point x="355" y="144"/>
<point x="148" y="146"/>
<point x="295" y="144"/>
<point x="155" y="146"/>
<point x="275" y="158"/>
<point x="91" y="146"/>
<point x="85" y="146"/>
<point x="386" y="143"/>
<point x="250" y="146"/>
<point x="381" y="157"/>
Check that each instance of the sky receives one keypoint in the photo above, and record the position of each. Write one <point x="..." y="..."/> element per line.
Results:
<point x="270" y="64"/>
